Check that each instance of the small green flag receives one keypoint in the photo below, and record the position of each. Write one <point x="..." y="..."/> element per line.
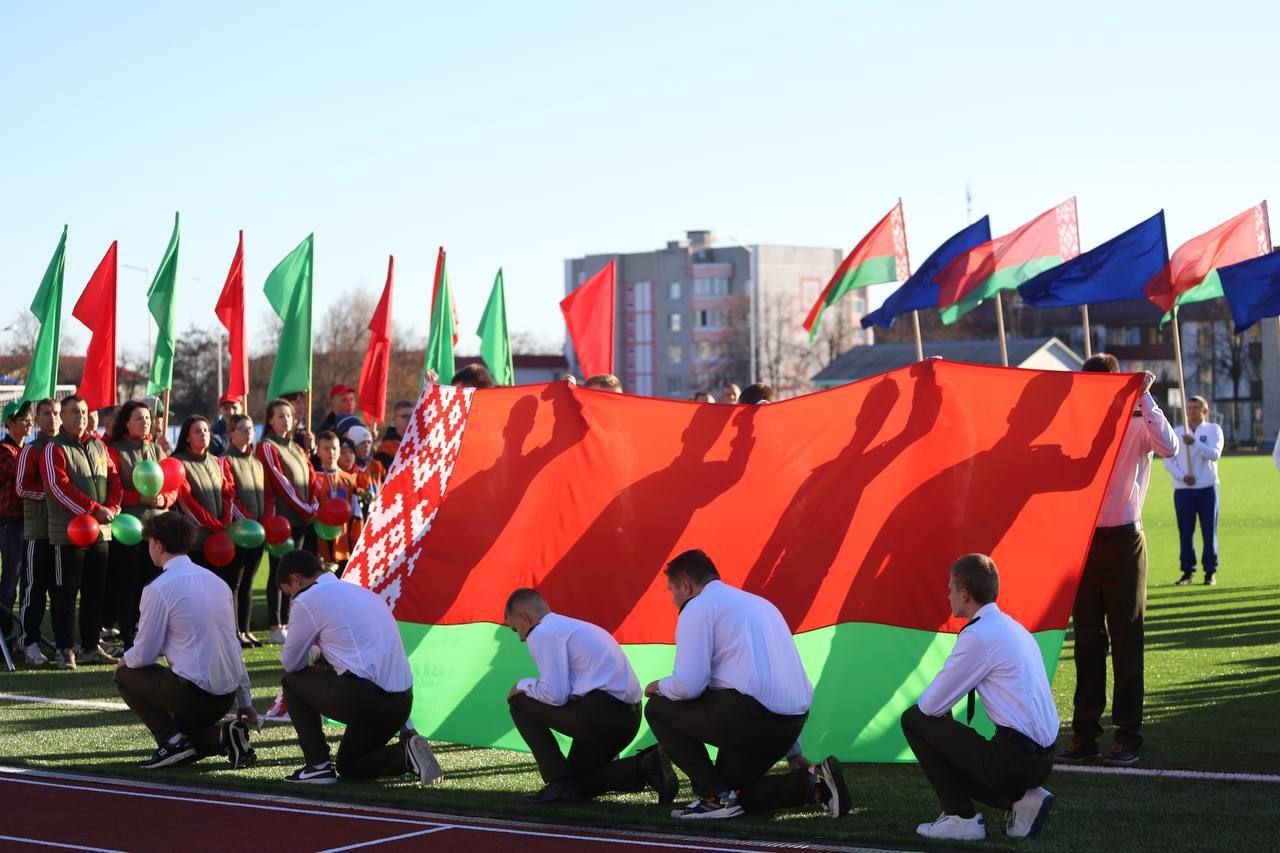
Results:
<point x="495" y="344"/>
<point x="160" y="301"/>
<point x="42" y="375"/>
<point x="440" y="341"/>
<point x="288" y="289"/>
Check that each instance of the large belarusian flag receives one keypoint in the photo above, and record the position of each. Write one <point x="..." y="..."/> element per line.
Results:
<point x="1008" y="261"/>
<point x="848" y="524"/>
<point x="1192" y="273"/>
<point x="879" y="257"/>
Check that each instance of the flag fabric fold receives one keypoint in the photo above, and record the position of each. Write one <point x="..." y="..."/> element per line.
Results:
<point x="96" y="308"/>
<point x="42" y="373"/>
<point x="372" y="389"/>
<point x="230" y="313"/>
<point x="288" y="289"/>
<point x="1191" y="274"/>
<point x="1114" y="271"/>
<point x="160" y="301"/>
<point x="495" y="343"/>
<point x="817" y="511"/>
<point x="881" y="256"/>
<point x="1252" y="289"/>
<point x="444" y="325"/>
<point x="589" y="317"/>
<point x="921" y="289"/>
<point x="1006" y="262"/>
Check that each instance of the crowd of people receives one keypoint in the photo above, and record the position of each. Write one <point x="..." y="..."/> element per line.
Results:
<point x="738" y="683"/>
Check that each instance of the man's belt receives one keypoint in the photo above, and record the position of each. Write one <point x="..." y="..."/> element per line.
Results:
<point x="1023" y="742"/>
<point x="1119" y="530"/>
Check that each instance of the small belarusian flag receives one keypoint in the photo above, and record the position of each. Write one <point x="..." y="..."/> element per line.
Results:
<point x="444" y="325"/>
<point x="879" y="257"/>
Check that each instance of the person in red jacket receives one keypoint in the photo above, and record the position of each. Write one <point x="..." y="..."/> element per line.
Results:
<point x="208" y="493"/>
<point x="79" y="479"/>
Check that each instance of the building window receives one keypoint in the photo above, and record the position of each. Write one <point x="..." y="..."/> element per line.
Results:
<point x="673" y="290"/>
<point x="709" y="318"/>
<point x="675" y="354"/>
<point x="674" y="321"/>
<point x="675" y="385"/>
<point x="711" y="286"/>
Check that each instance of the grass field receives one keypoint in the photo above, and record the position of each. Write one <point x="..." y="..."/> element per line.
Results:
<point x="1213" y="701"/>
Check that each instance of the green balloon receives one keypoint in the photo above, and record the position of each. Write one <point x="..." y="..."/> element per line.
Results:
<point x="328" y="531"/>
<point x="126" y="529"/>
<point x="148" y="478"/>
<point x="280" y="549"/>
<point x="247" y="533"/>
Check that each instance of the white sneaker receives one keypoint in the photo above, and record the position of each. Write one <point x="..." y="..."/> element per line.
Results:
<point x="422" y="761"/>
<point x="1028" y="814"/>
<point x="955" y="828"/>
<point x="35" y="656"/>
<point x="278" y="635"/>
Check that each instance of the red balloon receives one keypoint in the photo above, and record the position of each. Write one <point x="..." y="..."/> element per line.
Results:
<point x="278" y="529"/>
<point x="334" y="512"/>
<point x="83" y="530"/>
<point x="219" y="549"/>
<point x="174" y="473"/>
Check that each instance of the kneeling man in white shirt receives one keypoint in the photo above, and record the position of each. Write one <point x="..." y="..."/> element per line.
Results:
<point x="997" y="659"/>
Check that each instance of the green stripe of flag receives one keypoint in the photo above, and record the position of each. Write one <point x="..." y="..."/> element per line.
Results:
<point x="1004" y="279"/>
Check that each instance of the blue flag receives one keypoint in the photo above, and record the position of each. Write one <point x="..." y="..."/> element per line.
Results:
<point x="921" y="290"/>
<point x="1252" y="289"/>
<point x="1118" y="269"/>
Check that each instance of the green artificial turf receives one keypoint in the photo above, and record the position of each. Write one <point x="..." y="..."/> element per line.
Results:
<point x="1213" y="699"/>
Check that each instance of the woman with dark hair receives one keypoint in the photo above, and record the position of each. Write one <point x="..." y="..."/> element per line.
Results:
<point x="291" y="491"/>
<point x="208" y="495"/>
<point x="129" y="567"/>
<point x="251" y="501"/>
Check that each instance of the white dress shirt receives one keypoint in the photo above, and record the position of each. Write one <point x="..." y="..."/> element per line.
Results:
<point x="1275" y="453"/>
<point x="1000" y="658"/>
<point x="354" y="629"/>
<point x="186" y="616"/>
<point x="575" y="657"/>
<point x="1200" y="458"/>
<point x="1146" y="433"/>
<point x="729" y="639"/>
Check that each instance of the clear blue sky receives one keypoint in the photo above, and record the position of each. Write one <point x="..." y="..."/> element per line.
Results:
<point x="518" y="135"/>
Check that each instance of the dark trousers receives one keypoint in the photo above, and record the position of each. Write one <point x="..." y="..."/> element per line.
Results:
<point x="750" y="738"/>
<point x="13" y="561"/>
<point x="131" y="569"/>
<point x="39" y="586"/>
<point x="304" y="537"/>
<point x="601" y="727"/>
<point x="963" y="766"/>
<point x="169" y="705"/>
<point x="249" y="560"/>
<point x="83" y="570"/>
<point x="1110" y="607"/>
<point x="1191" y="505"/>
<point x="372" y="717"/>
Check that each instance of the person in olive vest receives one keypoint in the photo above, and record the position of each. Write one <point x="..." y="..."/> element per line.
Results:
<point x="251" y="501"/>
<point x="291" y="490"/>
<point x="35" y="530"/>
<point x="208" y="494"/>
<point x="79" y="479"/>
<point x="130" y="566"/>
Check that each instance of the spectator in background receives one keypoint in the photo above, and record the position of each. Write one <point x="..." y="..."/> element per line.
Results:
<point x="474" y="375"/>
<point x="755" y="394"/>
<point x="703" y="397"/>
<point x="342" y="414"/>
<point x="251" y="501"/>
<point x="208" y="495"/>
<point x="731" y="393"/>
<point x="228" y="408"/>
<point x="332" y="482"/>
<point x="567" y="377"/>
<point x="401" y="413"/>
<point x="302" y="435"/>
<point x="604" y="382"/>
<point x="41" y="577"/>
<point x="1275" y="453"/>
<point x="1195" y="492"/>
<point x="18" y="421"/>
<point x="107" y="419"/>
<point x="369" y="472"/>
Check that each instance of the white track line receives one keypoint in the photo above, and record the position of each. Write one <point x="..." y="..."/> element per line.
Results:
<point x="378" y="841"/>
<point x="1152" y="773"/>
<point x="97" y="705"/>
<point x="44" y="843"/>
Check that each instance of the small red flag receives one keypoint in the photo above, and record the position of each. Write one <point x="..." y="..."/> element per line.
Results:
<point x="96" y="308"/>
<point x="230" y="311"/>
<point x="372" y="392"/>
<point x="588" y="312"/>
<point x="435" y="294"/>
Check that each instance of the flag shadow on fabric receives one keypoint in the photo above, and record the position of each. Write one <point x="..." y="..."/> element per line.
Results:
<point x="845" y="508"/>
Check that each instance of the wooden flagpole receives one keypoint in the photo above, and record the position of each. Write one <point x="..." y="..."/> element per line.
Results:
<point x="1182" y="380"/>
<point x="1088" y="337"/>
<point x="915" y="323"/>
<point x="1004" y="349"/>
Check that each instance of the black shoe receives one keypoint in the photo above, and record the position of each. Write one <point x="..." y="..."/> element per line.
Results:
<point x="170" y="754"/>
<point x="235" y="740"/>
<point x="717" y="809"/>
<point x="1185" y="580"/>
<point x="1121" y="756"/>
<point x="321" y="774"/>
<point x="1078" y="753"/>
<point x="1211" y="580"/>
<point x="831" y="777"/>
<point x="658" y="774"/>
<point x="561" y="789"/>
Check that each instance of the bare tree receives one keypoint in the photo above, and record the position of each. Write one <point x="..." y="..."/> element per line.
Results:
<point x="1238" y="359"/>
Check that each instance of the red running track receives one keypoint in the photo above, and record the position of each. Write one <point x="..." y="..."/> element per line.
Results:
<point x="55" y="811"/>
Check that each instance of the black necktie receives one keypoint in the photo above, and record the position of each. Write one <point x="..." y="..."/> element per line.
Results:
<point x="973" y="694"/>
